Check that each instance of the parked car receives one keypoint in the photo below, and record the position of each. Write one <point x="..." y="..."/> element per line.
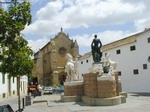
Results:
<point x="61" y="89"/>
<point x="58" y="90"/>
<point x="48" y="90"/>
<point x="8" y="108"/>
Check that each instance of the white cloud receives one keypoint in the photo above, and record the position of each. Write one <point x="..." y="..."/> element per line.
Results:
<point x="84" y="40"/>
<point x="143" y="19"/>
<point x="71" y="14"/>
<point x="77" y="14"/>
<point x="38" y="44"/>
<point x="51" y="10"/>
<point x="142" y="24"/>
<point x="105" y="37"/>
<point x="34" y="1"/>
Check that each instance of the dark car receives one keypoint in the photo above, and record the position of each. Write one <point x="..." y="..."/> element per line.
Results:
<point x="7" y="108"/>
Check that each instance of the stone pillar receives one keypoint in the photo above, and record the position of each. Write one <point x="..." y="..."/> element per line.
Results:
<point x="90" y="84"/>
<point x="106" y="86"/>
<point x="73" y="88"/>
<point x="55" y="76"/>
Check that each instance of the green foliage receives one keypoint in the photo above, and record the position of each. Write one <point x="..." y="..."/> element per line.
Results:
<point x="17" y="59"/>
<point x="13" y="21"/>
<point x="16" y="54"/>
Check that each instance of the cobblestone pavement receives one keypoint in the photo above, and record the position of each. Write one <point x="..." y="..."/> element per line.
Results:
<point x="13" y="102"/>
<point x="135" y="103"/>
<point x="52" y="103"/>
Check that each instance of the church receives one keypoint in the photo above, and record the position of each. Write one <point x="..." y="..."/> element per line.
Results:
<point x="50" y="60"/>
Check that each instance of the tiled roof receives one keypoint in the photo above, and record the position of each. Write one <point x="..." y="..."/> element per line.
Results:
<point x="115" y="44"/>
<point x="119" y="43"/>
<point x="124" y="41"/>
<point x="87" y="55"/>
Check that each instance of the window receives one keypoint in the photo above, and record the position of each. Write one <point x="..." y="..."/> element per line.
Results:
<point x="81" y="62"/>
<point x="148" y="40"/>
<point x="13" y="92"/>
<point x="144" y="66"/>
<point x="118" y="51"/>
<point x="4" y="95"/>
<point x="132" y="48"/>
<point x="13" y="79"/>
<point x="119" y="73"/>
<point x="87" y="61"/>
<point x="3" y="78"/>
<point x="148" y="59"/>
<point x="135" y="71"/>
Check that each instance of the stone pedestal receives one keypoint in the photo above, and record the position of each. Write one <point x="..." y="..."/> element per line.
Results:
<point x="106" y="86"/>
<point x="90" y="84"/>
<point x="95" y="90"/>
<point x="72" y="91"/>
<point x="73" y="88"/>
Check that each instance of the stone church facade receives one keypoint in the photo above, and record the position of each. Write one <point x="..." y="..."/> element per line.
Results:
<point x="50" y="60"/>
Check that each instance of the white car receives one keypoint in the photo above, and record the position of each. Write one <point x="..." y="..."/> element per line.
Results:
<point x="48" y="90"/>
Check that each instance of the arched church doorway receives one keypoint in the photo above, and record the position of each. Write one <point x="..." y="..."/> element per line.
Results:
<point x="62" y="78"/>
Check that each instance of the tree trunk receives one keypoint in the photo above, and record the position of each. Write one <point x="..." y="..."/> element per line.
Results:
<point x="18" y="92"/>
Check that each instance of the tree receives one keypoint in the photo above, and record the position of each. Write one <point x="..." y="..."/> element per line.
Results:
<point x="15" y="59"/>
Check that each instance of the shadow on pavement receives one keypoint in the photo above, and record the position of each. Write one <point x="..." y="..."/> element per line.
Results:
<point x="139" y="94"/>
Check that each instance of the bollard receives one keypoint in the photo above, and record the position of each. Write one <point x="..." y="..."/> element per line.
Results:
<point x="23" y="103"/>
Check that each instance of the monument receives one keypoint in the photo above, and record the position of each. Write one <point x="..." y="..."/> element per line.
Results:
<point x="96" y="52"/>
<point x="73" y="87"/>
<point x="100" y="86"/>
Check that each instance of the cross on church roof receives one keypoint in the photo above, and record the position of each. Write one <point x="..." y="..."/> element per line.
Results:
<point x="61" y="29"/>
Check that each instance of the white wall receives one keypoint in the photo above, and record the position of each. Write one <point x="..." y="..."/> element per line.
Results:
<point x="84" y="68"/>
<point x="24" y="84"/>
<point x="4" y="88"/>
<point x="14" y="85"/>
<point x="127" y="61"/>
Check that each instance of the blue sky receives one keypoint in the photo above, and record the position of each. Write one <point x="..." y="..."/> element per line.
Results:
<point x="81" y="19"/>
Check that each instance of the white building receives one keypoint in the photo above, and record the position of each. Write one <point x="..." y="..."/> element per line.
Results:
<point x="132" y="55"/>
<point x="8" y="87"/>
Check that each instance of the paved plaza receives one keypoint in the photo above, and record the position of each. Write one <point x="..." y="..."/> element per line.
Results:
<point x="52" y="103"/>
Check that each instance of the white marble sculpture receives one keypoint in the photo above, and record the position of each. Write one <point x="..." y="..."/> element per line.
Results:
<point x="107" y="62"/>
<point x="70" y="68"/>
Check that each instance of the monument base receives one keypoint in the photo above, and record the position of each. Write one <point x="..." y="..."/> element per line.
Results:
<point x="73" y="88"/>
<point x="103" y="101"/>
<point x="106" y="86"/>
<point x="124" y="94"/>
<point x="94" y="90"/>
<point x="71" y="98"/>
<point x="72" y="91"/>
